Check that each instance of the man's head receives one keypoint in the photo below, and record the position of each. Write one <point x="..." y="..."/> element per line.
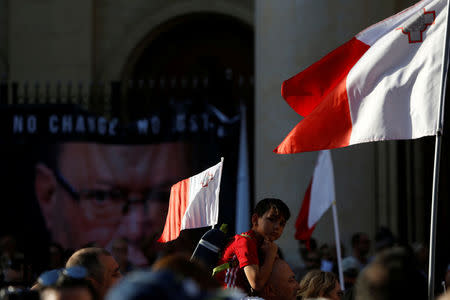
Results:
<point x="392" y="275"/>
<point x="361" y="244"/>
<point x="384" y="238"/>
<point x="157" y="285"/>
<point x="325" y="252"/>
<point x="312" y="260"/>
<point x="270" y="217"/>
<point x="304" y="249"/>
<point x="281" y="284"/>
<point x="182" y="265"/>
<point x="103" y="270"/>
<point x="95" y="192"/>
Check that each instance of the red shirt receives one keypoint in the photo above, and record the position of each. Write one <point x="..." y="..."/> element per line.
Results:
<point x="241" y="252"/>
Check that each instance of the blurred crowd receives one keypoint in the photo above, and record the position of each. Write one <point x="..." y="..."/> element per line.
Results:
<point x="373" y="269"/>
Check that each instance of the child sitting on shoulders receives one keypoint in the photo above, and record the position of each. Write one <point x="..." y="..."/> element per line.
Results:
<point x="239" y="265"/>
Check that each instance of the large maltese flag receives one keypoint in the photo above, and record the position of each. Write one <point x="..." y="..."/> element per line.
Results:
<point x="318" y="197"/>
<point x="194" y="203"/>
<point x="383" y="84"/>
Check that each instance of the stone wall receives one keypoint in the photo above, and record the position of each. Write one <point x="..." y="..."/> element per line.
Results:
<point x="50" y="40"/>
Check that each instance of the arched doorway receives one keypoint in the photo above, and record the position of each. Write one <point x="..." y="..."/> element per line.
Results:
<point x="214" y="48"/>
<point x="198" y="59"/>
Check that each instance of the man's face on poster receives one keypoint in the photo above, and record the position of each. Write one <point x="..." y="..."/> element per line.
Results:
<point x="101" y="192"/>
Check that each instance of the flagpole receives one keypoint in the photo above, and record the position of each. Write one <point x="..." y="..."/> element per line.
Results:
<point x="431" y="258"/>
<point x="243" y="190"/>
<point x="437" y="156"/>
<point x="338" y="245"/>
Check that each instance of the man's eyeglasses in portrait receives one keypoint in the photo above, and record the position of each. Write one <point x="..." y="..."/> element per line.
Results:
<point x="114" y="201"/>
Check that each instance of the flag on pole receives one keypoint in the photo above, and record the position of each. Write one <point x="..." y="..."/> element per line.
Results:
<point x="383" y="84"/>
<point x="194" y="203"/>
<point x="318" y="197"/>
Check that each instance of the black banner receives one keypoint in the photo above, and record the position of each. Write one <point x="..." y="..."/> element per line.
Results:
<point x="69" y="122"/>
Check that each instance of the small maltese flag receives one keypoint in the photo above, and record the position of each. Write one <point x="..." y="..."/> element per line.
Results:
<point x="318" y="197"/>
<point x="194" y="203"/>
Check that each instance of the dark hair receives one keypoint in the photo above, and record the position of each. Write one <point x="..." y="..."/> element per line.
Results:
<point x="356" y="237"/>
<point x="160" y="285"/>
<point x="182" y="266"/>
<point x="67" y="282"/>
<point x="384" y="238"/>
<point x="268" y="203"/>
<point x="89" y="258"/>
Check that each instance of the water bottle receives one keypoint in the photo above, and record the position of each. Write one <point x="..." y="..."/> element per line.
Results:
<point x="210" y="246"/>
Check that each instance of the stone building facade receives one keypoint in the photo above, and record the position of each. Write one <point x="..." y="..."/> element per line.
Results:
<point x="376" y="184"/>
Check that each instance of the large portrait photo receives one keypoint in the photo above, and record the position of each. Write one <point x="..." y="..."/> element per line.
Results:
<point x="69" y="184"/>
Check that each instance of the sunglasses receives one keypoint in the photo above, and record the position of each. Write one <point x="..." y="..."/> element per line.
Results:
<point x="49" y="278"/>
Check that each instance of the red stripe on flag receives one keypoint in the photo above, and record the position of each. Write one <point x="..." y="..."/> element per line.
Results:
<point x="179" y="200"/>
<point x="328" y="126"/>
<point x="304" y="91"/>
<point x="302" y="232"/>
<point x="319" y="94"/>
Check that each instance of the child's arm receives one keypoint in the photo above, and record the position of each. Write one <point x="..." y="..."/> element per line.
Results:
<point x="257" y="276"/>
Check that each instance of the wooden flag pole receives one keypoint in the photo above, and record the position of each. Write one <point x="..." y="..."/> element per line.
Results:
<point x="437" y="156"/>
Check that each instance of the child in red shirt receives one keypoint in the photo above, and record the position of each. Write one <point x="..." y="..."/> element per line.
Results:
<point x="239" y="265"/>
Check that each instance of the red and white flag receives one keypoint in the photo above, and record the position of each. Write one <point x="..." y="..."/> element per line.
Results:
<point x="194" y="203"/>
<point x="383" y="84"/>
<point x="318" y="197"/>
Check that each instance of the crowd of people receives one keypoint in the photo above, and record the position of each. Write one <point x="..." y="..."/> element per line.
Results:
<point x="251" y="266"/>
